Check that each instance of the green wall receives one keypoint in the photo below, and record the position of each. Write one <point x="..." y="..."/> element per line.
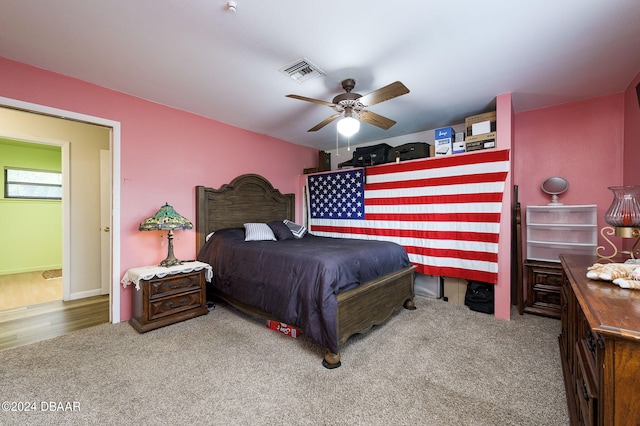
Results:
<point x="30" y="230"/>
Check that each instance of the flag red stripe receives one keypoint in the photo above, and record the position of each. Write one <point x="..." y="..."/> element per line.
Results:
<point x="436" y="217"/>
<point x="467" y="274"/>
<point x="453" y="253"/>
<point x="484" y="237"/>
<point x="437" y="181"/>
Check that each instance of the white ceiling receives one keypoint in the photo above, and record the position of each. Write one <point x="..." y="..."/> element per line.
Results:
<point x="455" y="56"/>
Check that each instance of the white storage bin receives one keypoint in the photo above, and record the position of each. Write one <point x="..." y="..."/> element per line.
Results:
<point x="427" y="285"/>
<point x="550" y="252"/>
<point x="583" y="234"/>
<point x="585" y="215"/>
<point x="555" y="230"/>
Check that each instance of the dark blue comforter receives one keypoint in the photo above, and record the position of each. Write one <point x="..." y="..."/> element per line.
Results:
<point x="297" y="280"/>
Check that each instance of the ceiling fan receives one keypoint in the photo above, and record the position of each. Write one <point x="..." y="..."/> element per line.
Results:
<point x="349" y="104"/>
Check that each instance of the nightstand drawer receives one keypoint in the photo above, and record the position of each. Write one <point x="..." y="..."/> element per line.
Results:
<point x="160" y="308"/>
<point x="548" y="277"/>
<point x="174" y="284"/>
<point x="544" y="282"/>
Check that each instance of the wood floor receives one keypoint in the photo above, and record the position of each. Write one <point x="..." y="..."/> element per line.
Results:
<point x="31" y="309"/>
<point x="29" y="288"/>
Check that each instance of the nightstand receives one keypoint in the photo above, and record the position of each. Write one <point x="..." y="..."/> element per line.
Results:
<point x="165" y="296"/>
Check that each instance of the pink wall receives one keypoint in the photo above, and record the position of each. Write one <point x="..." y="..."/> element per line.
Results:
<point x="588" y="142"/>
<point x="580" y="141"/>
<point x="502" y="292"/>
<point x="165" y="153"/>
<point x="631" y="175"/>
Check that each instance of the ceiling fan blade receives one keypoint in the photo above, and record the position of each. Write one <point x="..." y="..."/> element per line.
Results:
<point x="385" y="93"/>
<point x="324" y="123"/>
<point x="376" y="119"/>
<point x="315" y="101"/>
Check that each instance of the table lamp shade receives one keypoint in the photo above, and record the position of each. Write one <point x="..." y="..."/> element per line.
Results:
<point x="625" y="208"/>
<point x="166" y="219"/>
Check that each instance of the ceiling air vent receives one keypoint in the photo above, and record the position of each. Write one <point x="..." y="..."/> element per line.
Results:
<point x="302" y="70"/>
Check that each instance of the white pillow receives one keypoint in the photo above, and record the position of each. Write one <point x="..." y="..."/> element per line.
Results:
<point x="298" y="231"/>
<point x="258" y="232"/>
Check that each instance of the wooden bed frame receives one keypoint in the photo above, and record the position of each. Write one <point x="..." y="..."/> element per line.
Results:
<point x="251" y="198"/>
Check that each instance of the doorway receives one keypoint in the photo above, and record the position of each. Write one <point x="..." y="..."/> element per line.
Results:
<point x="31" y="262"/>
<point x="31" y="267"/>
<point x="36" y="120"/>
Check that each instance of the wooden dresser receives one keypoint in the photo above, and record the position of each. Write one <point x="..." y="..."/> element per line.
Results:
<point x="599" y="347"/>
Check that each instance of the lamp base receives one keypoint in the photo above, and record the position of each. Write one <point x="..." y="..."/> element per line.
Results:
<point x="624" y="232"/>
<point x="170" y="260"/>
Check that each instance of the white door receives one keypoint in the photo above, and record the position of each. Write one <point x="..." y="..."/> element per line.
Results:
<point x="105" y="220"/>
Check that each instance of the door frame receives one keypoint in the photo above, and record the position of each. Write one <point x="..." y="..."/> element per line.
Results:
<point x="114" y="147"/>
<point x="105" y="221"/>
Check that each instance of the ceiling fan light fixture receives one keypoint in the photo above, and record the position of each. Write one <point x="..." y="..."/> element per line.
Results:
<point x="348" y="126"/>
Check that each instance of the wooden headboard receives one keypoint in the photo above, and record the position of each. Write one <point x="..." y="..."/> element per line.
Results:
<point x="248" y="198"/>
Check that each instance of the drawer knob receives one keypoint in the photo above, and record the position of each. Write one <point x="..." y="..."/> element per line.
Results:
<point x="180" y="284"/>
<point x="585" y="394"/>
<point x="591" y="344"/>
<point x="172" y="305"/>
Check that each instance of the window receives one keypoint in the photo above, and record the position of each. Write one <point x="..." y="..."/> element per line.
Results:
<point x="29" y="183"/>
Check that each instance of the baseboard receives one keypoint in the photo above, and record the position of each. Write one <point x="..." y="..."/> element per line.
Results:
<point x="29" y="269"/>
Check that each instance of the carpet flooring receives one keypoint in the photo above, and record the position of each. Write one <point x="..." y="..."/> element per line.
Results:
<point x="441" y="364"/>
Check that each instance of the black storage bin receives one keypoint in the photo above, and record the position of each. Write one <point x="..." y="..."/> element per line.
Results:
<point x="371" y="155"/>
<point x="409" y="151"/>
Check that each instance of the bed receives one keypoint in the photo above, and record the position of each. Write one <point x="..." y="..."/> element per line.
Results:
<point x="340" y="310"/>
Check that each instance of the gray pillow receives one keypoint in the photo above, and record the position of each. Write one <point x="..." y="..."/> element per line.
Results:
<point x="258" y="232"/>
<point x="298" y="231"/>
<point x="280" y="230"/>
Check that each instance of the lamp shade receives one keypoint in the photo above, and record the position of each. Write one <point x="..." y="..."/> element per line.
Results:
<point x="625" y="208"/>
<point x="166" y="219"/>
<point x="348" y="126"/>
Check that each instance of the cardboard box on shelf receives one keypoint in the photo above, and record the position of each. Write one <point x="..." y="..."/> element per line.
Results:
<point x="474" y="146"/>
<point x="483" y="137"/>
<point x="443" y="147"/>
<point x="459" y="147"/>
<point x="444" y="133"/>
<point x="478" y="145"/>
<point x="479" y="118"/>
<point x="486" y="141"/>
<point x="491" y="143"/>
<point x="480" y="128"/>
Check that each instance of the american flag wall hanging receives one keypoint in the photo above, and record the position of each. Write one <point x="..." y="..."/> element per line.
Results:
<point x="444" y="211"/>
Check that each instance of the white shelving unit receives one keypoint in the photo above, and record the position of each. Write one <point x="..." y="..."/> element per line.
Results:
<point x="566" y="229"/>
